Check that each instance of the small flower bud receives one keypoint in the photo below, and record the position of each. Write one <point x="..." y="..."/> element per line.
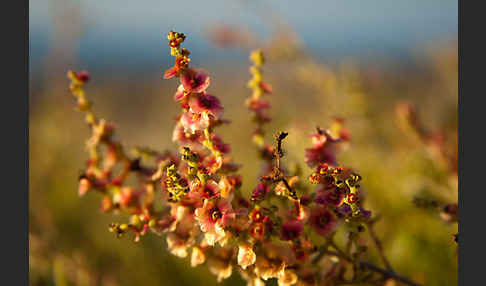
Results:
<point x="106" y="204"/>
<point x="197" y="257"/>
<point x="152" y="223"/>
<point x="84" y="186"/>
<point x="257" y="57"/>
<point x="83" y="76"/>
<point x="135" y="221"/>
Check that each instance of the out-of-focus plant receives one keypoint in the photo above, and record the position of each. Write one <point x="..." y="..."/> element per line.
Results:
<point x="287" y="229"/>
<point x="47" y="266"/>
<point x="442" y="147"/>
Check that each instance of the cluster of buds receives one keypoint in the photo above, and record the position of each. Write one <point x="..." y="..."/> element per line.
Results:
<point x="109" y="167"/>
<point x="339" y="188"/>
<point x="326" y="143"/>
<point x="283" y="231"/>
<point x="259" y="106"/>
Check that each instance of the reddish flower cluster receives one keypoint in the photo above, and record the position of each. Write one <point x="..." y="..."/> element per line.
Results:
<point x="269" y="235"/>
<point x="325" y="145"/>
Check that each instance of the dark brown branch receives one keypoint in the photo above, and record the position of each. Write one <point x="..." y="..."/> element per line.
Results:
<point x="277" y="175"/>
<point x="363" y="264"/>
<point x="280" y="137"/>
<point x="388" y="273"/>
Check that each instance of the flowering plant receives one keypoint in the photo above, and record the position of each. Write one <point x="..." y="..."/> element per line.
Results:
<point x="298" y="230"/>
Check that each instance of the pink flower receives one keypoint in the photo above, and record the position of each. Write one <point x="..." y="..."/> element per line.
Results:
<point x="210" y="190"/>
<point x="193" y="122"/>
<point x="178" y="245"/>
<point x="127" y="197"/>
<point x="194" y="197"/>
<point x="205" y="103"/>
<point x="266" y="87"/>
<point x="230" y="167"/>
<point x="322" y="220"/>
<point x="83" y="76"/>
<point x="183" y="138"/>
<point x="195" y="80"/>
<point x="219" y="144"/>
<point x="180" y="93"/>
<point x="240" y="223"/>
<point x="291" y="230"/>
<point x="212" y="217"/>
<point x="259" y="192"/>
<point x="211" y="164"/>
<point x="319" y="138"/>
<point x="84" y="186"/>
<point x="324" y="154"/>
<point x="171" y="72"/>
<point x="324" y="148"/>
<point x="179" y="238"/>
<point x="163" y="224"/>
<point x="182" y="219"/>
<point x="333" y="197"/>
<point x="246" y="256"/>
<point x="256" y="104"/>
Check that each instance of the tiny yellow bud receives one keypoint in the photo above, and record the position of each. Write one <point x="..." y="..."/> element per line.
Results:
<point x="257" y="57"/>
<point x="152" y="223"/>
<point x="258" y="140"/>
<point x="135" y="220"/>
<point x="90" y="118"/>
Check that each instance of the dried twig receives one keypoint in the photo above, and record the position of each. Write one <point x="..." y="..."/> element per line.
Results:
<point x="277" y="175"/>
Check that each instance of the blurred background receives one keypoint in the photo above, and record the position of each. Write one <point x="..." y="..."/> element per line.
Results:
<point x="353" y="59"/>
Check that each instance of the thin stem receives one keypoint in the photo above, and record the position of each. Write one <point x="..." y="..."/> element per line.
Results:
<point x="388" y="273"/>
<point x="340" y="253"/>
<point x="379" y="246"/>
<point x="210" y="144"/>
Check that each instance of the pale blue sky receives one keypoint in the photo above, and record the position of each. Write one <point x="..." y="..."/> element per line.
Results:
<point x="132" y="31"/>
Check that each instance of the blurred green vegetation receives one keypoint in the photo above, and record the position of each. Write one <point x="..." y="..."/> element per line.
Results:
<point x="69" y="240"/>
